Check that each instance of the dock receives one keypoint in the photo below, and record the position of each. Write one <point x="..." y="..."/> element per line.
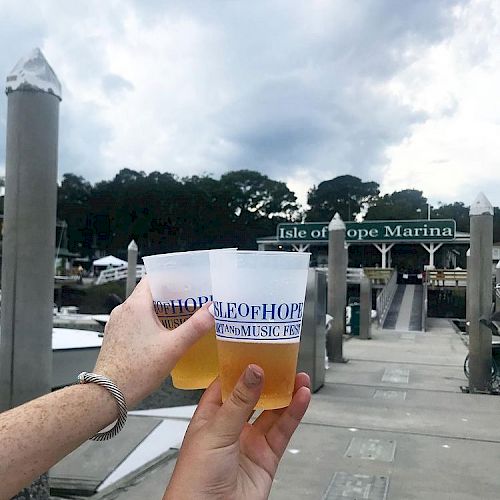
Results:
<point x="392" y="423"/>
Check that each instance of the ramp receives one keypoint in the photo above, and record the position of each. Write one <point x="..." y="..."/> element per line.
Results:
<point x="106" y="468"/>
<point x="405" y="312"/>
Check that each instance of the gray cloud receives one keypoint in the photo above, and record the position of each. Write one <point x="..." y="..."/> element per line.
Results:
<point x="115" y="83"/>
<point x="313" y="100"/>
<point x="285" y="86"/>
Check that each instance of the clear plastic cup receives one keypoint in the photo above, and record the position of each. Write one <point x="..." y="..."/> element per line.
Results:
<point x="180" y="285"/>
<point x="258" y="305"/>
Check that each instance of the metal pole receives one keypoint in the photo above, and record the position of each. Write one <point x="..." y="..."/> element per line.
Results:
<point x="29" y="232"/>
<point x="132" y="267"/>
<point x="337" y="288"/>
<point x="365" y="309"/>
<point x="481" y="243"/>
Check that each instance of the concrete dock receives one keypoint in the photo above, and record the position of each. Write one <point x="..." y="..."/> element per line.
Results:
<point x="391" y="423"/>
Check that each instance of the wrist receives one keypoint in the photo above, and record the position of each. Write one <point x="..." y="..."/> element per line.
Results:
<point x="99" y="399"/>
<point x="121" y="405"/>
<point x="121" y="379"/>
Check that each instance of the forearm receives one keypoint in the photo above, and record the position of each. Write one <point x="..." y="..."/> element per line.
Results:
<point x="38" y="434"/>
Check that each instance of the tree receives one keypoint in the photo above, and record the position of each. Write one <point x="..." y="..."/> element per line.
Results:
<point x="345" y="194"/>
<point x="166" y="214"/>
<point x="254" y="194"/>
<point x="73" y="207"/>
<point x="456" y="211"/>
<point x="256" y="204"/>
<point x="400" y="205"/>
<point x="140" y="207"/>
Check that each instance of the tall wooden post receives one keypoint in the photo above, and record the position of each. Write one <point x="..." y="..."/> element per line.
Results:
<point x="337" y="288"/>
<point x="467" y="292"/>
<point x="365" y="308"/>
<point x="29" y="231"/>
<point x="29" y="234"/>
<point x="497" y="290"/>
<point x="132" y="251"/>
<point x="481" y="244"/>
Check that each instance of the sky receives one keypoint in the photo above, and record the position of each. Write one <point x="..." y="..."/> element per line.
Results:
<point x="405" y="93"/>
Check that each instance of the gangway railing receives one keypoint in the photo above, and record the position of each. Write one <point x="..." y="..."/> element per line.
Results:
<point x="117" y="274"/>
<point x="425" y="302"/>
<point x="379" y="275"/>
<point x="353" y="274"/>
<point x="385" y="297"/>
<point x="446" y="277"/>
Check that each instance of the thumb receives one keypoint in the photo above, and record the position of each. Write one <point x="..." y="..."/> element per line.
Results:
<point x="184" y="336"/>
<point x="234" y="413"/>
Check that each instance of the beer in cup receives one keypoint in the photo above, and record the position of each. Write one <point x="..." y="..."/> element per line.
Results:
<point x="180" y="285"/>
<point x="258" y="305"/>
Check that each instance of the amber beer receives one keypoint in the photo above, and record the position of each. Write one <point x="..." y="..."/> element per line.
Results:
<point x="198" y="368"/>
<point x="180" y="284"/>
<point x="278" y="362"/>
<point x="258" y="308"/>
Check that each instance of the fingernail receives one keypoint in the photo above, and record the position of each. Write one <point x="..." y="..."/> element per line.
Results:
<point x="253" y="376"/>
<point x="211" y="309"/>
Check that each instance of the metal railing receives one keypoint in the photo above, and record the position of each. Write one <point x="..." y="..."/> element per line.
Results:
<point x="378" y="275"/>
<point x="425" y="301"/>
<point x="446" y="277"/>
<point x="354" y="275"/>
<point x="384" y="298"/>
<point x="118" y="273"/>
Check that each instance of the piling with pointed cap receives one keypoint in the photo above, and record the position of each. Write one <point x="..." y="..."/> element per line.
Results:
<point x="365" y="307"/>
<point x="132" y="251"/>
<point x="479" y="286"/>
<point x="337" y="288"/>
<point x="497" y="290"/>
<point x="29" y="231"/>
<point x="467" y="292"/>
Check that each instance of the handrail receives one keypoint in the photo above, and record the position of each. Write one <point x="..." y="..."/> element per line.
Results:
<point x="384" y="298"/>
<point x="117" y="274"/>
<point x="446" y="277"/>
<point x="354" y="275"/>
<point x="425" y="289"/>
<point x="378" y="275"/>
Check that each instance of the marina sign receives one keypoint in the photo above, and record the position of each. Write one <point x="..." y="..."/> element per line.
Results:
<point x="372" y="231"/>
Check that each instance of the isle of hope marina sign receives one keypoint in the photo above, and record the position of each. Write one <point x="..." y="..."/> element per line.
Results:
<point x="404" y="231"/>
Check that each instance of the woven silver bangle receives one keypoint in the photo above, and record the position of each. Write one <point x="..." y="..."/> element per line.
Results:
<point x="85" y="378"/>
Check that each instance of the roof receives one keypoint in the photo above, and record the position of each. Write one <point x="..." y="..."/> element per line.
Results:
<point x="109" y="260"/>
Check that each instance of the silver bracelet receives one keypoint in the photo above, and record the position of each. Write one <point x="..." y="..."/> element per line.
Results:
<point x="85" y="378"/>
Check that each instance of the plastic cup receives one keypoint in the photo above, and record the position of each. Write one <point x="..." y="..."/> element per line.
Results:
<point x="258" y="305"/>
<point x="180" y="285"/>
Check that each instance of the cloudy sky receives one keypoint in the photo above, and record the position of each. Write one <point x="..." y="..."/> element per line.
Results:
<point x="403" y="92"/>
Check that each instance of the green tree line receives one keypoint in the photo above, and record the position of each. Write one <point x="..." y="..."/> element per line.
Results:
<point x="165" y="213"/>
